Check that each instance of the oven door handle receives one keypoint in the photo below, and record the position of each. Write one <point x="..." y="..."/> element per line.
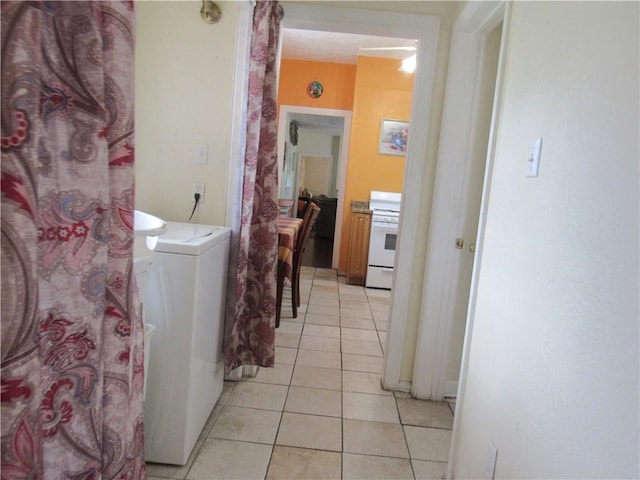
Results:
<point x="381" y="267"/>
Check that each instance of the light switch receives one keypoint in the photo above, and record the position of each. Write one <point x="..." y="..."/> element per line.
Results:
<point x="534" y="158"/>
<point x="202" y="153"/>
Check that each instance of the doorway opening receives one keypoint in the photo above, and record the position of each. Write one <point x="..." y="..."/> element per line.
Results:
<point x="320" y="133"/>
<point x="348" y="65"/>
<point x="423" y="27"/>
<point x="310" y="173"/>
<point x="318" y="174"/>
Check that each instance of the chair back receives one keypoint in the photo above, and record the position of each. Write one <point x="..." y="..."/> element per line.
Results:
<point x="285" y="207"/>
<point x="303" y="203"/>
<point x="308" y="221"/>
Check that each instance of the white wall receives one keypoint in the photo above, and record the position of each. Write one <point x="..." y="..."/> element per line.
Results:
<point x="553" y="370"/>
<point x="317" y="174"/>
<point x="314" y="144"/>
<point x="184" y="86"/>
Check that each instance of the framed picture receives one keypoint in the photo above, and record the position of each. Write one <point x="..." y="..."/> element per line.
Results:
<point x="393" y="137"/>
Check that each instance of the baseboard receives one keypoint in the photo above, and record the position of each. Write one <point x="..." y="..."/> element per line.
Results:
<point x="236" y="374"/>
<point x="403" y="387"/>
<point x="250" y="370"/>
<point x="451" y="389"/>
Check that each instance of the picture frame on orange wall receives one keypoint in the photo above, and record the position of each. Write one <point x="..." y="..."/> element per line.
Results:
<point x="393" y="137"/>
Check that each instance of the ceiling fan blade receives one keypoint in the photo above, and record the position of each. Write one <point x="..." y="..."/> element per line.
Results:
<point x="373" y="49"/>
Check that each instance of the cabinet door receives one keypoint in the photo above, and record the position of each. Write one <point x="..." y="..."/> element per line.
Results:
<point x="358" y="248"/>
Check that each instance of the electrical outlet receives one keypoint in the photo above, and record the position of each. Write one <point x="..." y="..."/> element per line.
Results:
<point x="198" y="188"/>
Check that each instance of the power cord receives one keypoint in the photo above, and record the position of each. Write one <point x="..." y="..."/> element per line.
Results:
<point x="196" y="197"/>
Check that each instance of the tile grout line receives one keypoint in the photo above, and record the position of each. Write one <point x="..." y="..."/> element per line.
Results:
<point x="289" y="385"/>
<point x="295" y="361"/>
<point x="290" y="381"/>
<point x="196" y="452"/>
<point x="404" y="434"/>
<point x="395" y="399"/>
<point x="341" y="385"/>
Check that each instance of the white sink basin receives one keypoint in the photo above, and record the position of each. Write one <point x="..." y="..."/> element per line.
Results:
<point x="149" y="226"/>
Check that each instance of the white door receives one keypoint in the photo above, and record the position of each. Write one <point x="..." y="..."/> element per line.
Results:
<point x="472" y="209"/>
<point x="471" y="93"/>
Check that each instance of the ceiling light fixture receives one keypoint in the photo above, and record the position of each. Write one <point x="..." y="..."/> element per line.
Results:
<point x="408" y="64"/>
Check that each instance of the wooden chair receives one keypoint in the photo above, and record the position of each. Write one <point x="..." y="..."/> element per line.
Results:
<point x="308" y="221"/>
<point x="303" y="203"/>
<point x="285" y="207"/>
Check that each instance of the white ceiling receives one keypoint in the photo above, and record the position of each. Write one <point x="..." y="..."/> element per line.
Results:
<point x="338" y="47"/>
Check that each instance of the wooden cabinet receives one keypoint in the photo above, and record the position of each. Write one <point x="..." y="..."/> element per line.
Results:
<point x="358" y="248"/>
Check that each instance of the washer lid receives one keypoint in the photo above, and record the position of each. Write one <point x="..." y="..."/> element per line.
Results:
<point x="191" y="238"/>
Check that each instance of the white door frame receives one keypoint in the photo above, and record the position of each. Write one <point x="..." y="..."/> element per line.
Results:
<point x="455" y="159"/>
<point x="424" y="28"/>
<point x="486" y="191"/>
<point x="238" y="134"/>
<point x="285" y="110"/>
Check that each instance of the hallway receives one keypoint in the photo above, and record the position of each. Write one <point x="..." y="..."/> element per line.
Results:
<point x="321" y="413"/>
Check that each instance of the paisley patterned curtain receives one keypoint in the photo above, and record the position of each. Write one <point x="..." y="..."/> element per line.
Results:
<point x="72" y="330"/>
<point x="251" y="306"/>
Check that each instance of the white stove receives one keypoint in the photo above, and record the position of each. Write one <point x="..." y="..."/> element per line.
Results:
<point x="384" y="231"/>
<point x="385" y="215"/>
<point x="385" y="204"/>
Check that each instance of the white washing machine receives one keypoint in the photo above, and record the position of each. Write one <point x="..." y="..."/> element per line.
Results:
<point x="185" y="300"/>
<point x="146" y="230"/>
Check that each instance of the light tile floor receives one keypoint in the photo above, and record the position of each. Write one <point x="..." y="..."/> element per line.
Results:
<point x="321" y="413"/>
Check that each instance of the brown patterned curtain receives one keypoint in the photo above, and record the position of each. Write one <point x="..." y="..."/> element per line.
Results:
<point x="72" y="331"/>
<point x="251" y="304"/>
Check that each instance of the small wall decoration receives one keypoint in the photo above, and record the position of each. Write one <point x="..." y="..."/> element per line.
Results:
<point x="210" y="12"/>
<point x="293" y="133"/>
<point x="315" y="89"/>
<point x="393" y="137"/>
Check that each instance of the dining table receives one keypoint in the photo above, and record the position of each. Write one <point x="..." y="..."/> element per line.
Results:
<point x="288" y="229"/>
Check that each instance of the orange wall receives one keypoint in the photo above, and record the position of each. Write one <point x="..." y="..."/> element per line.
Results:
<point x="373" y="89"/>
<point x="338" y="80"/>
<point x="381" y="92"/>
